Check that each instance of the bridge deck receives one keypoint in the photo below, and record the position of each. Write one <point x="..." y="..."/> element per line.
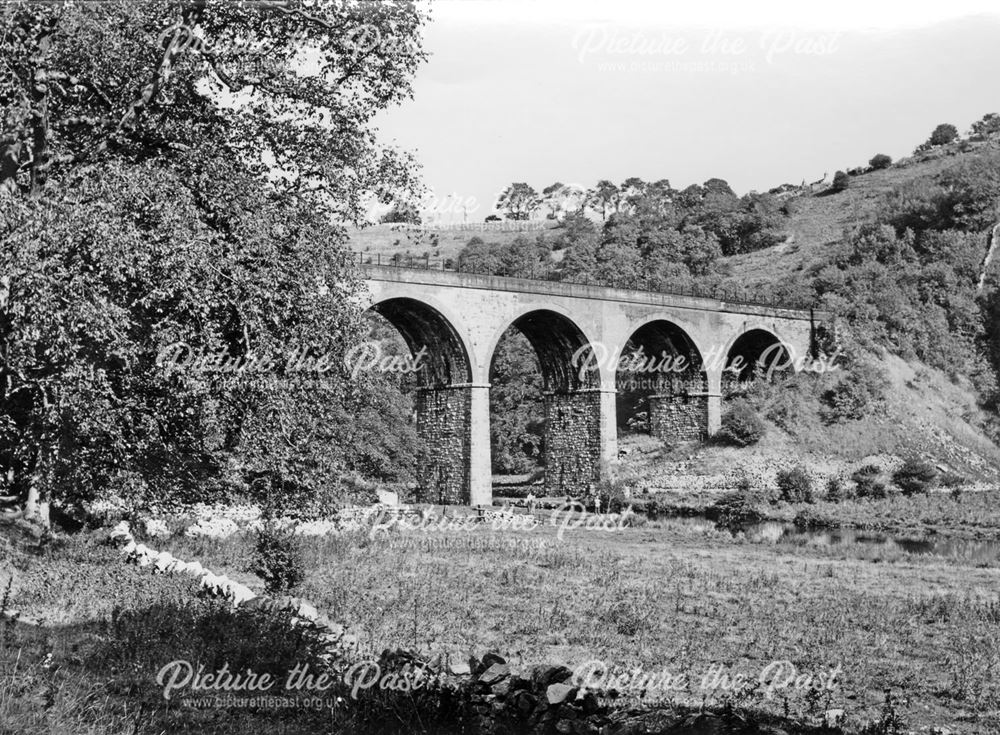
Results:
<point x="695" y="299"/>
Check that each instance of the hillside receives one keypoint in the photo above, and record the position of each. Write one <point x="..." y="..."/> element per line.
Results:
<point x="820" y="219"/>
<point x="441" y="242"/>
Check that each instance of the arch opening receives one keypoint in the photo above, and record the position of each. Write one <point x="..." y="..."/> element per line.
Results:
<point x="443" y="359"/>
<point x="440" y="393"/>
<point x="545" y="405"/>
<point x="661" y="384"/>
<point x="755" y="354"/>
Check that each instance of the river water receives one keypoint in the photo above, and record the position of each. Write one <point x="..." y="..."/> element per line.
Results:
<point x="972" y="551"/>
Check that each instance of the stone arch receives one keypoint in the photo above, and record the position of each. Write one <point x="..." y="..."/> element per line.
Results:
<point x="444" y="402"/>
<point x="662" y="373"/>
<point x="424" y="326"/>
<point x="572" y="396"/>
<point x="754" y="352"/>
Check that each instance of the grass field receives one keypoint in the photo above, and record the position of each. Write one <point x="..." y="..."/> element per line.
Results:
<point x="663" y="599"/>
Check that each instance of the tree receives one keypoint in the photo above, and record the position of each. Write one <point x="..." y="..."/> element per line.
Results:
<point x="518" y="200"/>
<point x="632" y="190"/>
<point x="943" y="134"/>
<point x="553" y="197"/>
<point x="604" y="197"/>
<point x="199" y="211"/>
<point x="880" y="161"/>
<point x="988" y="127"/>
<point x="841" y="181"/>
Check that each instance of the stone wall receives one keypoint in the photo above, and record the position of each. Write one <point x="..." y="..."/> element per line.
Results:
<point x="443" y="418"/>
<point x="572" y="442"/>
<point x="678" y="411"/>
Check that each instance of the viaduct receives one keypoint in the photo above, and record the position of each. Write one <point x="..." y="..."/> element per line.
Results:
<point x="578" y="333"/>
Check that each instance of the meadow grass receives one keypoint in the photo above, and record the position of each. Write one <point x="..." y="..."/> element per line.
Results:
<point x="660" y="598"/>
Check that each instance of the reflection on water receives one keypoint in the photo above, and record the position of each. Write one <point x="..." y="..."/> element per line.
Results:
<point x="969" y="550"/>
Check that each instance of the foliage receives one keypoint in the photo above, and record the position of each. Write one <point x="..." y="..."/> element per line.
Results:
<point x="516" y="406"/>
<point x="840" y="181"/>
<point x="861" y="391"/>
<point x="278" y="558"/>
<point x="943" y="134"/>
<point x="741" y="426"/>
<point x="519" y="201"/>
<point x="133" y="223"/>
<point x="836" y="490"/>
<point x="795" y="485"/>
<point x="870" y="482"/>
<point x="880" y="161"/>
<point x="734" y="510"/>
<point x="986" y="128"/>
<point x="915" y="476"/>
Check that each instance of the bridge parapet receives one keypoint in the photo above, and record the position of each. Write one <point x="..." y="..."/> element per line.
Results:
<point x="435" y="272"/>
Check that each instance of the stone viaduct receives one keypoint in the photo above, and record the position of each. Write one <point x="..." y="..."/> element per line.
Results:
<point x="578" y="332"/>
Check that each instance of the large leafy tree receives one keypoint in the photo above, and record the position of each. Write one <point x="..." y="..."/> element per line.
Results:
<point x="519" y="201"/>
<point x="178" y="171"/>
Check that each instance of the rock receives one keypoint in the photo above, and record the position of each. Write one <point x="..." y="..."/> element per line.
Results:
<point x="502" y="688"/>
<point x="587" y="701"/>
<point x="461" y="668"/>
<point x="558" y="693"/>
<point x="492" y="658"/>
<point x="542" y="676"/>
<point x="833" y="717"/>
<point x="494" y="673"/>
<point x="703" y="725"/>
<point x="525" y="703"/>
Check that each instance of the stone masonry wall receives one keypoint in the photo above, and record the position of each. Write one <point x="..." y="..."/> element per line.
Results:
<point x="572" y="442"/>
<point x="677" y="415"/>
<point x="443" y="417"/>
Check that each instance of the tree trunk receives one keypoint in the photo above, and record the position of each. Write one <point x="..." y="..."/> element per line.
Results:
<point x="36" y="510"/>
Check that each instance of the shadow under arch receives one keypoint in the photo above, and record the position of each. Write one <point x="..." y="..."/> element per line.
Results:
<point x="661" y="382"/>
<point x="427" y="331"/>
<point x="756" y="353"/>
<point x="443" y="398"/>
<point x="571" y="396"/>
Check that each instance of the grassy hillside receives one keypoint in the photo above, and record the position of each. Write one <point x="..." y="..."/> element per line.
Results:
<point x="440" y="242"/>
<point x="819" y="220"/>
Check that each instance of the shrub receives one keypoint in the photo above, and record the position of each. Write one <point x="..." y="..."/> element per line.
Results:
<point x="837" y="490"/>
<point x="734" y="509"/>
<point x="880" y="161"/>
<point x="841" y="181"/>
<point x="795" y="485"/>
<point x="870" y="482"/>
<point x="277" y="557"/>
<point x="951" y="479"/>
<point x="915" y="476"/>
<point x="741" y="426"/>
<point x="943" y="134"/>
<point x="857" y="394"/>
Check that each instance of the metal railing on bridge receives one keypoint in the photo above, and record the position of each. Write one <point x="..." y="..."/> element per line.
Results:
<point x="740" y="296"/>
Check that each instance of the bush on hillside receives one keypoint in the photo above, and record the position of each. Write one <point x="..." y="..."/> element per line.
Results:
<point x="795" y="485"/>
<point x="870" y="482"/>
<point x="837" y="490"/>
<point x="741" y="426"/>
<point x="943" y="134"/>
<point x="841" y="181"/>
<point x="277" y="558"/>
<point x="880" y="161"/>
<point x="860" y="392"/>
<point x="733" y="510"/>
<point x="915" y="476"/>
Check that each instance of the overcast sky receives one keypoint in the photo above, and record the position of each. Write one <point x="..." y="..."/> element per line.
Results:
<point x="757" y="93"/>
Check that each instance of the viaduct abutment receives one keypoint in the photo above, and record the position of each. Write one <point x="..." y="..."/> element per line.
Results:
<point x="597" y="347"/>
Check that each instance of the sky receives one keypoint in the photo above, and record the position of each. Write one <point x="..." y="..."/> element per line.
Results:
<point x="758" y="94"/>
